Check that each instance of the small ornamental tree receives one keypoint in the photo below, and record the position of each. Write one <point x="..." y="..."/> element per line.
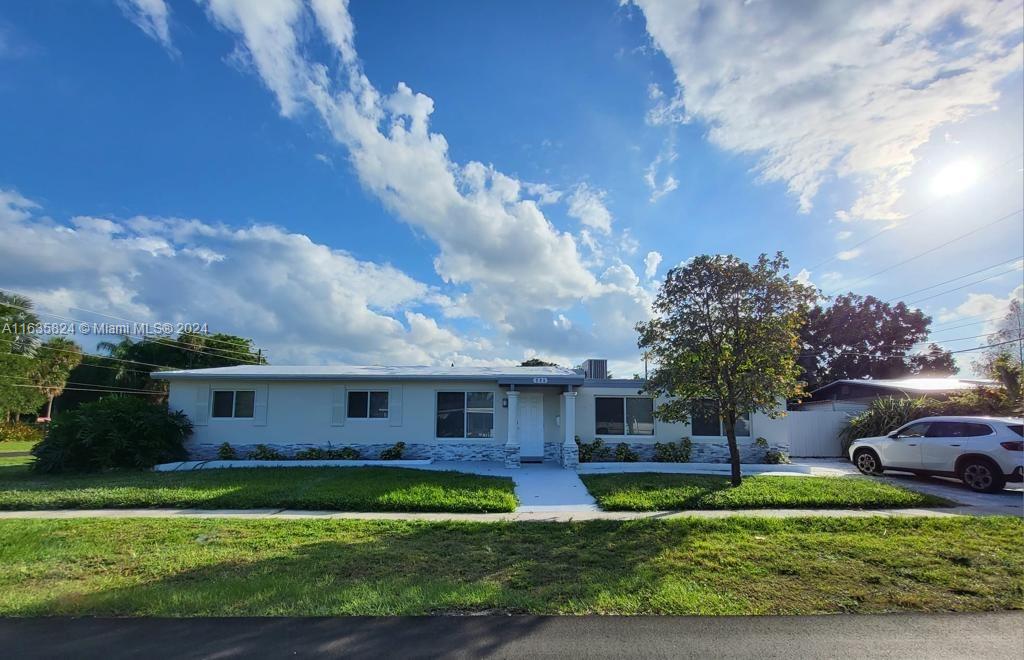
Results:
<point x="727" y="332"/>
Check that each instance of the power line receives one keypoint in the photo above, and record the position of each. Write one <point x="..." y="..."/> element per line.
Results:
<point x="159" y="340"/>
<point x="904" y="355"/>
<point x="903" y="221"/>
<point x="930" y="250"/>
<point x="980" y="270"/>
<point x="984" y="279"/>
<point x="103" y="357"/>
<point x="82" y="389"/>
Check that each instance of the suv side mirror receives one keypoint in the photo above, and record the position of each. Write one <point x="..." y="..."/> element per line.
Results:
<point x="894" y="435"/>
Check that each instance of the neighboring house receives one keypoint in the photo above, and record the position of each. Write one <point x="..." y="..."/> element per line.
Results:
<point x="509" y="414"/>
<point x="855" y="395"/>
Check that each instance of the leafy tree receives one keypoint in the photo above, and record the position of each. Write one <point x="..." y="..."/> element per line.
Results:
<point x="727" y="332"/>
<point x="535" y="362"/>
<point x="863" y="337"/>
<point x="54" y="362"/>
<point x="135" y="360"/>
<point x="936" y="361"/>
<point x="17" y="348"/>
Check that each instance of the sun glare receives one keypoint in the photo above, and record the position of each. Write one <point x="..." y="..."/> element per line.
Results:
<point x="955" y="177"/>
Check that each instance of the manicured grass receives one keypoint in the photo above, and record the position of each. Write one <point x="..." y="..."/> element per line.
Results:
<point x="16" y="445"/>
<point x="224" y="567"/>
<point x="648" y="491"/>
<point x="340" y="489"/>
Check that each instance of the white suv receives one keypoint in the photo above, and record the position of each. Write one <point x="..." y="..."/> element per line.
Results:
<point x="984" y="452"/>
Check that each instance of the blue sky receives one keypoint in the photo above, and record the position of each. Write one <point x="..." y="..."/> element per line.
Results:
<point x="405" y="182"/>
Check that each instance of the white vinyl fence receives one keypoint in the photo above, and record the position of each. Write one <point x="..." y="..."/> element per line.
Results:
<point x="815" y="432"/>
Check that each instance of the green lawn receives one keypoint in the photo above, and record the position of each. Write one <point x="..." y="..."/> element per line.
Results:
<point x="16" y="445"/>
<point x="648" y="491"/>
<point x="223" y="567"/>
<point x="339" y="489"/>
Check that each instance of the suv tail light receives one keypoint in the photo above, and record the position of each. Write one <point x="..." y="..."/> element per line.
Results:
<point x="1013" y="445"/>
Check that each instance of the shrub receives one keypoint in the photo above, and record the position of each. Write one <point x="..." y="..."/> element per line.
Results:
<point x="624" y="454"/>
<point x="114" y="432"/>
<point x="264" y="453"/>
<point x="776" y="457"/>
<point x="593" y="451"/>
<point x="328" y="454"/>
<point x="226" y="452"/>
<point x="19" y="432"/>
<point x="393" y="453"/>
<point x="883" y="415"/>
<point x="673" y="452"/>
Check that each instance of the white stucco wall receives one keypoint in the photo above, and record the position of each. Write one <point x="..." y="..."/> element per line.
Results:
<point x="301" y="413"/>
<point x="773" y="430"/>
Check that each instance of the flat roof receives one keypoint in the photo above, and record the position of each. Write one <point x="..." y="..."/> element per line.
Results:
<point x="503" y="375"/>
<point x="915" y="384"/>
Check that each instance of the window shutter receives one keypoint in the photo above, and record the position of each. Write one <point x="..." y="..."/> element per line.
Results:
<point x="259" y="411"/>
<point x="395" y="406"/>
<point x="201" y="410"/>
<point x="338" y="405"/>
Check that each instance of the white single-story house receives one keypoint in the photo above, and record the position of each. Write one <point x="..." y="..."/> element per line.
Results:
<point x="509" y="414"/>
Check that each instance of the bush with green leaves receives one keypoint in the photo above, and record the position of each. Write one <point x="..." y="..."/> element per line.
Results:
<point x="776" y="457"/>
<point x="114" y="432"/>
<point x="593" y="451"/>
<point x="328" y="454"/>
<point x="21" y="432"/>
<point x="673" y="452"/>
<point x="393" y="453"/>
<point x="625" y="454"/>
<point x="263" y="452"/>
<point x="226" y="452"/>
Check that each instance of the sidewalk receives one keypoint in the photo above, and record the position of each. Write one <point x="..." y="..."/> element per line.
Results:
<point x="518" y="516"/>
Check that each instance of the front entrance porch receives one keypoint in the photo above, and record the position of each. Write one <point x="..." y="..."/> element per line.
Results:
<point x="541" y="424"/>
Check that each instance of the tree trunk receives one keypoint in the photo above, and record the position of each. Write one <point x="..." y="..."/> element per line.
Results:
<point x="49" y="407"/>
<point x="734" y="450"/>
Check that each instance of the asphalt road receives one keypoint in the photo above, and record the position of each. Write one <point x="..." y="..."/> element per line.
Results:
<point x="991" y="635"/>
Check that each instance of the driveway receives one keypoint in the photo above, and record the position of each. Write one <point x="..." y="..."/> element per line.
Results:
<point x="988" y="635"/>
<point x="1009" y="502"/>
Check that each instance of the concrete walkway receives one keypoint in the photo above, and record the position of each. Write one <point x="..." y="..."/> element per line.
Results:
<point x="517" y="516"/>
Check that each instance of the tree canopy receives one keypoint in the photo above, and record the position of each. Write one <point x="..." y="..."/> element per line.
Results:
<point x="864" y="337"/>
<point x="726" y="331"/>
<point x="536" y="362"/>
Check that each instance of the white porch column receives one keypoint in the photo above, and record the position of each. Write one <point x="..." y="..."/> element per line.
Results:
<point x="570" y="452"/>
<point x="512" y="441"/>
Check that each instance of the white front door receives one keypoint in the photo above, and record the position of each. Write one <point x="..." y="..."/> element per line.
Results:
<point x="531" y="426"/>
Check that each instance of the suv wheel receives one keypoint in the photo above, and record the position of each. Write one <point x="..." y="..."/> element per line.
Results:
<point x="982" y="475"/>
<point x="867" y="462"/>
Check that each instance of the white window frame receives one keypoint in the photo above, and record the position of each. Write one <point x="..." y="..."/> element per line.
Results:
<point x="721" y="429"/>
<point x="234" y="401"/>
<point x="465" y="414"/>
<point x="348" y="416"/>
<point x="625" y="422"/>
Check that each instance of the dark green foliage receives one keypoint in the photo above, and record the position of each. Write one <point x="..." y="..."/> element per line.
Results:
<point x="263" y="452"/>
<point x="593" y="451"/>
<point x="536" y="362"/>
<point x="328" y="454"/>
<point x="673" y="452"/>
<point x="624" y="454"/>
<point x="116" y="432"/>
<point x="863" y="337"/>
<point x="226" y="452"/>
<point x="393" y="453"/>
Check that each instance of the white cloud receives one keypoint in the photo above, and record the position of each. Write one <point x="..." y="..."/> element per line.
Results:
<point x="152" y="17"/>
<point x="544" y="193"/>
<point x="804" y="276"/>
<point x="586" y="204"/>
<point x="325" y="159"/>
<point x="847" y="255"/>
<point x="834" y="89"/>
<point x="304" y="301"/>
<point x="843" y="235"/>
<point x="651" y="263"/>
<point x="985" y="305"/>
<point x="665" y="158"/>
